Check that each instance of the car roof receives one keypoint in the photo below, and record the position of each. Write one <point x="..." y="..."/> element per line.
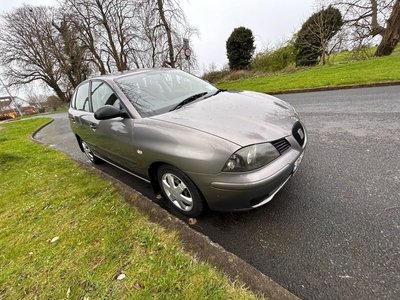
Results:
<point x="112" y="76"/>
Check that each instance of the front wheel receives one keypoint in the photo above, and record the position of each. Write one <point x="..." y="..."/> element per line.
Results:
<point x="94" y="159"/>
<point x="177" y="187"/>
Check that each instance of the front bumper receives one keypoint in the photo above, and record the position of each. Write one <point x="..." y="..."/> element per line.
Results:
<point x="243" y="191"/>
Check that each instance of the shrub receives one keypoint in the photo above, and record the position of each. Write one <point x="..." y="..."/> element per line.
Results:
<point x="275" y="60"/>
<point x="215" y="76"/>
<point x="240" y="74"/>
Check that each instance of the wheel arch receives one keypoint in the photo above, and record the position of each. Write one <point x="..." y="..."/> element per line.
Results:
<point x="152" y="171"/>
<point x="79" y="139"/>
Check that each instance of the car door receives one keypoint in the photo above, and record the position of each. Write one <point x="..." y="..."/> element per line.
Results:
<point x="113" y="139"/>
<point x="79" y="120"/>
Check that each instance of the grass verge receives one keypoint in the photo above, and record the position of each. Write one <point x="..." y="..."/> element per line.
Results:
<point x="65" y="233"/>
<point x="373" y="70"/>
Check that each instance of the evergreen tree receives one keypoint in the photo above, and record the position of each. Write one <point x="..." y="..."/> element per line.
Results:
<point x="240" y="48"/>
<point x="315" y="34"/>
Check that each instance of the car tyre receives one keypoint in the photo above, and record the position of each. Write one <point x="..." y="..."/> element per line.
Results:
<point x="89" y="153"/>
<point x="177" y="187"/>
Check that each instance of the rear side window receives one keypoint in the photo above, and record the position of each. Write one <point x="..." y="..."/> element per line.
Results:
<point x="102" y="94"/>
<point x="82" y="97"/>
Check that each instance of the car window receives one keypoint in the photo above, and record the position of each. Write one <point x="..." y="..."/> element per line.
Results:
<point x="156" y="92"/>
<point x="102" y="94"/>
<point x="82" y="97"/>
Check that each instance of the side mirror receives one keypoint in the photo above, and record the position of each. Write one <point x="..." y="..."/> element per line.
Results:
<point x="107" y="112"/>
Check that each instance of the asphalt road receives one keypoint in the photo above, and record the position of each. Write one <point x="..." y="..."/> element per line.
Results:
<point x="333" y="231"/>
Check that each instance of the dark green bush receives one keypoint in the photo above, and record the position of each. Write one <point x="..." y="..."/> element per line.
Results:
<point x="314" y="36"/>
<point x="240" y="48"/>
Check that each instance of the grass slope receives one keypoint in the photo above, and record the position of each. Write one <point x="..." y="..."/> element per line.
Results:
<point x="65" y="233"/>
<point x="373" y="70"/>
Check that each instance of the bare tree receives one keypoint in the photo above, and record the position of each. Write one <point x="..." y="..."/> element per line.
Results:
<point x="371" y="18"/>
<point x="26" y="35"/>
<point x="63" y="45"/>
<point x="149" y="50"/>
<point x="37" y="101"/>
<point x="36" y="45"/>
<point x="106" y="30"/>
<point x="164" y="25"/>
<point x="72" y="58"/>
<point x="120" y="35"/>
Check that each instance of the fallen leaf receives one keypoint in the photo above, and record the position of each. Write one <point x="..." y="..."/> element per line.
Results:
<point x="54" y="239"/>
<point x="121" y="276"/>
<point x="138" y="286"/>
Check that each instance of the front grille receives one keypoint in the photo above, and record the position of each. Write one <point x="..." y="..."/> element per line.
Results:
<point x="298" y="133"/>
<point x="281" y="145"/>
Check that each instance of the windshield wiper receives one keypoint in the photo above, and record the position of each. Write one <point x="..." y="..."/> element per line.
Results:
<point x="217" y="92"/>
<point x="188" y="100"/>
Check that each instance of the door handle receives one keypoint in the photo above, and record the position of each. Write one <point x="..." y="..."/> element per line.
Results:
<point x="93" y="126"/>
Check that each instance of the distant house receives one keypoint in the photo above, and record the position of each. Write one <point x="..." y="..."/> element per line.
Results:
<point x="8" y="109"/>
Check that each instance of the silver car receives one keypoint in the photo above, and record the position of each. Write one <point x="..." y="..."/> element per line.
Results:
<point x="202" y="147"/>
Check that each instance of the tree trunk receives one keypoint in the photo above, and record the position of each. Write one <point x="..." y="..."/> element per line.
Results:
<point x="60" y="94"/>
<point x="391" y="35"/>
<point x="168" y="32"/>
<point x="52" y="83"/>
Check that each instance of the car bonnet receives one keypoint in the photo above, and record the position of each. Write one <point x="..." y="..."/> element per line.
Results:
<point x="241" y="117"/>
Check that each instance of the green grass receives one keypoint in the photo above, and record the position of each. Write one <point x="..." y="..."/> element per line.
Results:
<point x="373" y="70"/>
<point x="66" y="233"/>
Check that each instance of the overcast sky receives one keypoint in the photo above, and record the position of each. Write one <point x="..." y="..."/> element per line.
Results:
<point x="271" y="21"/>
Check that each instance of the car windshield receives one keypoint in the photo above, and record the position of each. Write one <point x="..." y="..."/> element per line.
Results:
<point x="159" y="91"/>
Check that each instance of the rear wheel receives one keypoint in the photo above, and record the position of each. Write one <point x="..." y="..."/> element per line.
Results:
<point x="177" y="187"/>
<point x="94" y="159"/>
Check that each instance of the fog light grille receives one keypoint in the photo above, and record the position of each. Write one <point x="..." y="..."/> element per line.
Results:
<point x="281" y="145"/>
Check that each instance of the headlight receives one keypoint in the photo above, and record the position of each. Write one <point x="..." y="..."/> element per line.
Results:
<point x="251" y="158"/>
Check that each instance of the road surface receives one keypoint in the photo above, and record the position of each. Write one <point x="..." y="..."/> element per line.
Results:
<point x="333" y="231"/>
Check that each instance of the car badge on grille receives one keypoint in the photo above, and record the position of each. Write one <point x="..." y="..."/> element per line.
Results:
<point x="301" y="133"/>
